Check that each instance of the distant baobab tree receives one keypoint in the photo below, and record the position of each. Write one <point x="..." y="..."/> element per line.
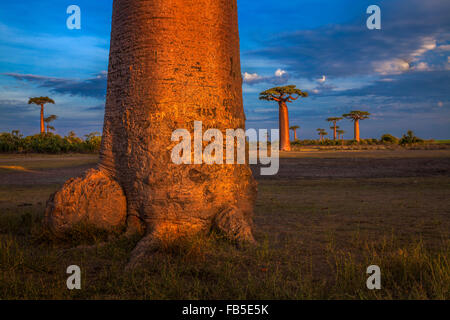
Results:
<point x="340" y="134"/>
<point x="322" y="133"/>
<point x="283" y="95"/>
<point x="48" y="120"/>
<point x="41" y="101"/>
<point x="334" y="120"/>
<point x="295" y="128"/>
<point x="337" y="127"/>
<point x="355" y="116"/>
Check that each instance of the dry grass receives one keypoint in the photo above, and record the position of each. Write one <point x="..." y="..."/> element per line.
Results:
<point x="316" y="238"/>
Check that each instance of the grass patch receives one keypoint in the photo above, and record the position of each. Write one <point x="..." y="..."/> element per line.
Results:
<point x="210" y="268"/>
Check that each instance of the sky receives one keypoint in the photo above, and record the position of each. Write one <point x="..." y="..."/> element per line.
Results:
<point x="400" y="74"/>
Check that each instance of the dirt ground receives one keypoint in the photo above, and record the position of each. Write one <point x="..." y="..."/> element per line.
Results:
<point x="376" y="192"/>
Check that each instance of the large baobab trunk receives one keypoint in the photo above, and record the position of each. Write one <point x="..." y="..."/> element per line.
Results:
<point x="42" y="119"/>
<point x="334" y="132"/>
<point x="295" y="135"/>
<point x="173" y="62"/>
<point x="357" y="130"/>
<point x="285" y="143"/>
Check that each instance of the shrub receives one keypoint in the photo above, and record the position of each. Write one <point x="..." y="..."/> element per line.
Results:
<point x="410" y="138"/>
<point x="48" y="143"/>
<point x="389" y="139"/>
<point x="10" y="142"/>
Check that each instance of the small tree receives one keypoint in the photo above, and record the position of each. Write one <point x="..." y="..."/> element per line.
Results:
<point x="410" y="138"/>
<point x="41" y="101"/>
<point x="48" y="120"/>
<point x="355" y="116"/>
<point x="334" y="120"/>
<point x="295" y="128"/>
<point x="283" y="95"/>
<point x="340" y="134"/>
<point x="321" y="133"/>
<point x="93" y="141"/>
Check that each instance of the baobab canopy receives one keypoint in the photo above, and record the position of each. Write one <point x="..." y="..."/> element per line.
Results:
<point x="40" y="100"/>
<point x="282" y="94"/>
<point x="357" y="115"/>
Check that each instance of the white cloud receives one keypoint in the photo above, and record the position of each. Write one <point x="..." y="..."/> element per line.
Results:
<point x="251" y="77"/>
<point x="445" y="47"/>
<point x="428" y="44"/>
<point x="280" y="77"/>
<point x="399" y="65"/>
<point x="394" y="66"/>
<point x="322" y="80"/>
<point x="422" y="66"/>
<point x="280" y="73"/>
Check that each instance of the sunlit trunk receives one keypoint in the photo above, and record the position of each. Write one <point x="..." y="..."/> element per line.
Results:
<point x="295" y="135"/>
<point x="172" y="63"/>
<point x="335" y="129"/>
<point x="42" y="119"/>
<point x="357" y="130"/>
<point x="285" y="143"/>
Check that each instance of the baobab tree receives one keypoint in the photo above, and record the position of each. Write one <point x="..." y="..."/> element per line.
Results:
<point x="334" y="120"/>
<point x="340" y="134"/>
<point x="322" y="133"/>
<point x="283" y="95"/>
<point x="295" y="128"/>
<point x="49" y="120"/>
<point x="356" y="116"/>
<point x="165" y="56"/>
<point x="41" y="101"/>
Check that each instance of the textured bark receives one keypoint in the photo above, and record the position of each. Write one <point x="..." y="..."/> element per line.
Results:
<point x="92" y="199"/>
<point x="285" y="143"/>
<point x="173" y="62"/>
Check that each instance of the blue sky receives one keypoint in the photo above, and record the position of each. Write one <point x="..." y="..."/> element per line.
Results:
<point x="401" y="73"/>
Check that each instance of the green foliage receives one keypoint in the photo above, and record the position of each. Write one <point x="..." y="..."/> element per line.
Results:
<point x="410" y="138"/>
<point x="40" y="101"/>
<point x="321" y="132"/>
<point x="389" y="139"/>
<point x="50" y="118"/>
<point x="10" y="142"/>
<point x="334" y="119"/>
<point x="357" y="115"/>
<point x="93" y="141"/>
<point x="283" y="94"/>
<point x="48" y="143"/>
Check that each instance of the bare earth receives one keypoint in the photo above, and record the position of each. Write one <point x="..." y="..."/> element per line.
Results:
<point x="377" y="191"/>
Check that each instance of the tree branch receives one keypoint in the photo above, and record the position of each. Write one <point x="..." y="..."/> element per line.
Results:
<point x="275" y="98"/>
